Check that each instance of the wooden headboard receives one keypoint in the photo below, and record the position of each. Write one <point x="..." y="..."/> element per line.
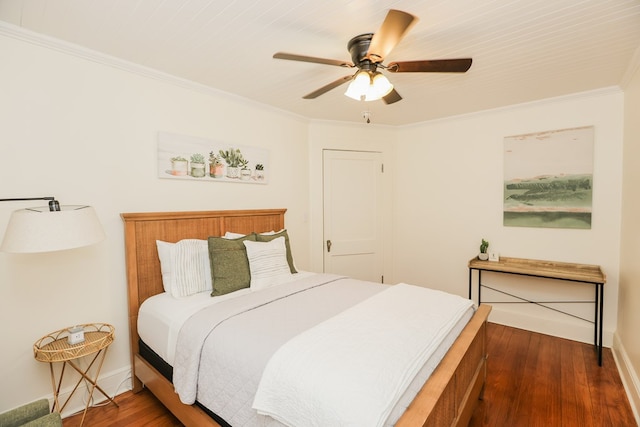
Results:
<point x="141" y="230"/>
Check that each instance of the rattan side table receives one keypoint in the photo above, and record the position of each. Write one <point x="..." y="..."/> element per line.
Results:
<point x="53" y="348"/>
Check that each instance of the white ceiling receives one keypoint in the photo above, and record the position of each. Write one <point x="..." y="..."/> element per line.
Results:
<point x="522" y="50"/>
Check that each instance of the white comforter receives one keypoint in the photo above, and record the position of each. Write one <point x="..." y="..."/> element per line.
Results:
<point x="222" y="350"/>
<point x="352" y="369"/>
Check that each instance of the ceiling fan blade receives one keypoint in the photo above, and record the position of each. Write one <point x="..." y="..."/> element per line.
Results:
<point x="391" y="97"/>
<point x="326" y="88"/>
<point x="431" y="66"/>
<point x="395" y="26"/>
<point x="303" y="58"/>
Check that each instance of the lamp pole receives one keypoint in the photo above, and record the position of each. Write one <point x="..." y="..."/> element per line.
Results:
<point x="54" y="205"/>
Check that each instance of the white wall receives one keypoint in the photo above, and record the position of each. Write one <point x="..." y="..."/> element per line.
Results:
<point x="627" y="341"/>
<point x="86" y="133"/>
<point x="448" y="196"/>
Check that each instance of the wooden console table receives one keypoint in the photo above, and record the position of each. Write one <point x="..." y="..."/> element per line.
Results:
<point x="581" y="273"/>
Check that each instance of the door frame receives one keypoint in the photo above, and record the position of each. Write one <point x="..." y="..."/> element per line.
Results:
<point x="348" y="137"/>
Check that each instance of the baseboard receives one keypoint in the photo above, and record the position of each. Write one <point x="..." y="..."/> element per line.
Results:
<point x="553" y="324"/>
<point x="113" y="383"/>
<point x="628" y="375"/>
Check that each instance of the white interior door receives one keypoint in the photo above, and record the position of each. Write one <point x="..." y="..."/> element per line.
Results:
<point x="353" y="214"/>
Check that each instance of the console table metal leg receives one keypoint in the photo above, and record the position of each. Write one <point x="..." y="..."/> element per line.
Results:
<point x="596" y="315"/>
<point x="600" y="286"/>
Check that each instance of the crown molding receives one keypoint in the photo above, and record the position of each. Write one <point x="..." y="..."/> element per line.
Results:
<point x="32" y="37"/>
<point x="68" y="48"/>
<point x="609" y="90"/>
<point x="632" y="69"/>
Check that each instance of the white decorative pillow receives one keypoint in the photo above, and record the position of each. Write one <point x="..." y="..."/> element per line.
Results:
<point x="267" y="262"/>
<point x="185" y="267"/>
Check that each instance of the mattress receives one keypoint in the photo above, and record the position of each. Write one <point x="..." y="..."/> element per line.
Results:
<point x="161" y="317"/>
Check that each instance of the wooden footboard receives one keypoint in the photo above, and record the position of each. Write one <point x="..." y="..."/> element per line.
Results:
<point x="448" y="398"/>
<point x="451" y="393"/>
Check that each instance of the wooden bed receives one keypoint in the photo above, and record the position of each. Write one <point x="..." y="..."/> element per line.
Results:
<point x="448" y="398"/>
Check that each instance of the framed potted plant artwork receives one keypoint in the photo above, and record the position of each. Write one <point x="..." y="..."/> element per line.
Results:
<point x="192" y="158"/>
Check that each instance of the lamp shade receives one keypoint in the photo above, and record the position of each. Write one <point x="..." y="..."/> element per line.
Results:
<point x="380" y="86"/>
<point x="359" y="86"/>
<point x="368" y="86"/>
<point x="35" y="230"/>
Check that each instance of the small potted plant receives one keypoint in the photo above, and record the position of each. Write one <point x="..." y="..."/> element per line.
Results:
<point x="232" y="158"/>
<point x="179" y="166"/>
<point x="483" y="255"/>
<point x="245" y="172"/>
<point x="260" y="171"/>
<point x="197" y="165"/>
<point x="216" y="166"/>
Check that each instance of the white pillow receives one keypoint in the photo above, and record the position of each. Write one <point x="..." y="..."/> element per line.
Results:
<point x="231" y="235"/>
<point x="185" y="267"/>
<point x="267" y="262"/>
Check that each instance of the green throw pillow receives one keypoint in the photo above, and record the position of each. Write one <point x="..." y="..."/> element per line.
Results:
<point x="270" y="237"/>
<point x="229" y="264"/>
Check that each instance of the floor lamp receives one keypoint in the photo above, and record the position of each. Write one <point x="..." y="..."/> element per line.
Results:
<point x="51" y="228"/>
<point x="57" y="228"/>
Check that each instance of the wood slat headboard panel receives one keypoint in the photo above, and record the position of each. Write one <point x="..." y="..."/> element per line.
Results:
<point x="143" y="229"/>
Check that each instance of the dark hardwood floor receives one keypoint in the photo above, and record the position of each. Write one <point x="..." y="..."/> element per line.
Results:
<point x="136" y="410"/>
<point x="532" y="380"/>
<point x="539" y="380"/>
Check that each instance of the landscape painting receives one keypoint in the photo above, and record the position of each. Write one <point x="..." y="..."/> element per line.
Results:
<point x="548" y="179"/>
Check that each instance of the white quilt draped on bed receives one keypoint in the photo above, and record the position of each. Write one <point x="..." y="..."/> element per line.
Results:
<point x="326" y="377"/>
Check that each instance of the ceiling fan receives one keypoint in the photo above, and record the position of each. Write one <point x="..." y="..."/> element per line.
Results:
<point x="368" y="51"/>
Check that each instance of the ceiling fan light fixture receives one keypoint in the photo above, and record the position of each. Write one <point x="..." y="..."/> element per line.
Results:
<point x="359" y="86"/>
<point x="380" y="86"/>
<point x="368" y="52"/>
<point x="367" y="86"/>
